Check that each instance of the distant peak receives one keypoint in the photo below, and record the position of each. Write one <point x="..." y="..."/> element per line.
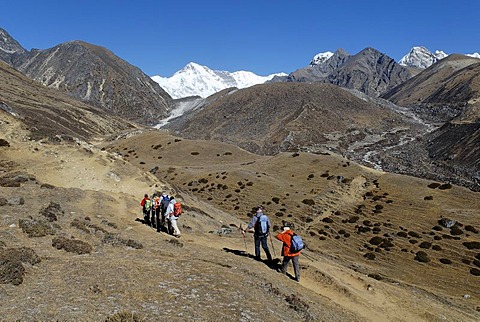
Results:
<point x="321" y="58"/>
<point x="474" y="55"/>
<point x="421" y="57"/>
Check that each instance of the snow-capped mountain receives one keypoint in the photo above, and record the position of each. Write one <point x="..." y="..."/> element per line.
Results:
<point x="198" y="80"/>
<point x="474" y="55"/>
<point x="321" y="58"/>
<point x="421" y="57"/>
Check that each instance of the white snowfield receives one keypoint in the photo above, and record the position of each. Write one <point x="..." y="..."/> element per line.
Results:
<point x="198" y="80"/>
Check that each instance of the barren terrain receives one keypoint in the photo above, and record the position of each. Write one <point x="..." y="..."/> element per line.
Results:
<point x="73" y="247"/>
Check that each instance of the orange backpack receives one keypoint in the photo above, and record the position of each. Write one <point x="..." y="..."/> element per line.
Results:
<point x="156" y="202"/>
<point x="177" y="209"/>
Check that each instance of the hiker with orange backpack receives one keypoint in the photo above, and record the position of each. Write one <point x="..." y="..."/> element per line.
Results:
<point x="146" y="204"/>
<point x="174" y="211"/>
<point x="292" y="246"/>
<point x="156" y="210"/>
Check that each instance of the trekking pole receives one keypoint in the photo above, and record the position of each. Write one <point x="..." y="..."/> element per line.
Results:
<point x="273" y="247"/>
<point x="244" y="241"/>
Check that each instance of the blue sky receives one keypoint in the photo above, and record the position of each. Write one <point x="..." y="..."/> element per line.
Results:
<point x="262" y="36"/>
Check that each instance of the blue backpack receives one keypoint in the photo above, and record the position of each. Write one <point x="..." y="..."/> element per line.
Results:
<point x="296" y="244"/>
<point x="164" y="202"/>
<point x="261" y="226"/>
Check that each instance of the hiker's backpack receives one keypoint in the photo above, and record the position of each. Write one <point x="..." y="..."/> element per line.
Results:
<point x="177" y="209"/>
<point x="148" y="204"/>
<point x="165" y="201"/>
<point x="261" y="226"/>
<point x="296" y="244"/>
<point x="156" y="202"/>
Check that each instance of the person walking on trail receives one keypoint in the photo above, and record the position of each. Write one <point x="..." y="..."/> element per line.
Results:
<point x="165" y="200"/>
<point x="286" y="237"/>
<point x="172" y="218"/>
<point x="146" y="204"/>
<point x="156" y="210"/>
<point x="261" y="225"/>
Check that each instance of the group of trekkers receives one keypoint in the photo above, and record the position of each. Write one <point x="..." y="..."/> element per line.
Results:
<point x="162" y="211"/>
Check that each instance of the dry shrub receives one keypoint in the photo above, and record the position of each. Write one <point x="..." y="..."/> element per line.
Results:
<point x="414" y="234"/>
<point x="23" y="254"/>
<point x="86" y="226"/>
<point x="363" y="229"/>
<point x="445" y="186"/>
<point x="72" y="245"/>
<point x="472" y="229"/>
<point x="4" y="142"/>
<point x="472" y="245"/>
<point x="308" y="202"/>
<point x="176" y="243"/>
<point x="425" y="245"/>
<point x="52" y="211"/>
<point x="376" y="276"/>
<point x="376" y="240"/>
<point x="353" y="219"/>
<point x="115" y="240"/>
<point x="422" y="257"/>
<point x="11" y="271"/>
<point x="297" y="303"/>
<point x="11" y="267"/>
<point x="125" y="317"/>
<point x="36" y="228"/>
<point x="455" y="230"/>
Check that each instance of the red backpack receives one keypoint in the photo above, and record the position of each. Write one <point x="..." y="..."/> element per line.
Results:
<point x="177" y="209"/>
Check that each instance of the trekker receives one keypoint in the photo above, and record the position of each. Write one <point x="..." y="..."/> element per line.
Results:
<point x="261" y="224"/>
<point x="165" y="200"/>
<point x="172" y="218"/>
<point x="156" y="210"/>
<point x="146" y="204"/>
<point x="286" y="238"/>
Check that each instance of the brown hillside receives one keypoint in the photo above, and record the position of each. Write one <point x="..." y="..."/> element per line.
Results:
<point x="49" y="113"/>
<point x="277" y="117"/>
<point x="451" y="81"/>
<point x="72" y="249"/>
<point x="375" y="223"/>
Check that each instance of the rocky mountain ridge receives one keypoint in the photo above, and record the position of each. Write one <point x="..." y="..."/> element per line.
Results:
<point x="369" y="71"/>
<point x="97" y="76"/>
